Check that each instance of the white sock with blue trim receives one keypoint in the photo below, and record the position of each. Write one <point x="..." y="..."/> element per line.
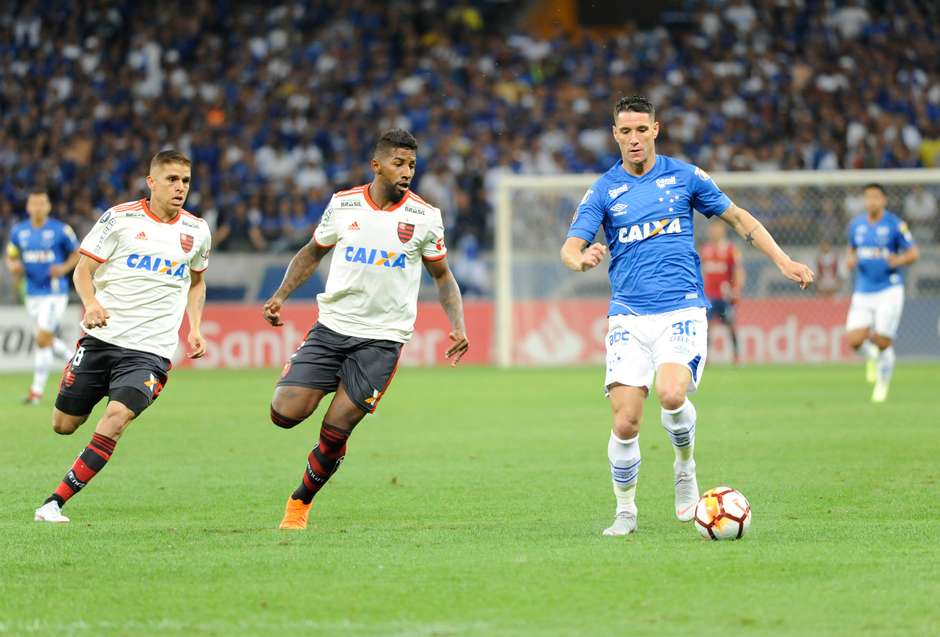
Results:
<point x="886" y="365"/>
<point x="624" y="457"/>
<point x="42" y="360"/>
<point x="680" y="425"/>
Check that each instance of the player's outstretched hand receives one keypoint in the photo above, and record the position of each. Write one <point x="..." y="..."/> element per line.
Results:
<point x="272" y="311"/>
<point x="95" y="316"/>
<point x="197" y="345"/>
<point x="593" y="256"/>
<point x="798" y="272"/>
<point x="459" y="348"/>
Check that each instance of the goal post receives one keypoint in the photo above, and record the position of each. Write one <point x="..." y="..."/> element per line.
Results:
<point x="547" y="315"/>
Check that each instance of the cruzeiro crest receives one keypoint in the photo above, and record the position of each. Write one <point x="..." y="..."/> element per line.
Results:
<point x="405" y="231"/>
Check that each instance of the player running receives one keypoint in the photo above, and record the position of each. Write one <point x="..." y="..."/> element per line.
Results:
<point x="880" y="244"/>
<point x="723" y="273"/>
<point x="44" y="250"/>
<point x="657" y="324"/>
<point x="141" y="266"/>
<point x="380" y="233"/>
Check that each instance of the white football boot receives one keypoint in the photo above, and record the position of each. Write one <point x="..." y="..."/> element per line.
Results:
<point x="686" y="491"/>
<point x="624" y="524"/>
<point x="50" y="512"/>
<point x="880" y="393"/>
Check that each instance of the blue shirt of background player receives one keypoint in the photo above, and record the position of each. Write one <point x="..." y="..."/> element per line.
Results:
<point x="647" y="222"/>
<point x="41" y="248"/>
<point x="873" y="242"/>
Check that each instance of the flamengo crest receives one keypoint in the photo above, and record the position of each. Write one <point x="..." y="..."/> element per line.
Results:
<point x="405" y="231"/>
<point x="186" y="242"/>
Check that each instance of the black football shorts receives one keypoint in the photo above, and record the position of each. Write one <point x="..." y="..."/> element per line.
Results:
<point x="100" y="369"/>
<point x="364" y="365"/>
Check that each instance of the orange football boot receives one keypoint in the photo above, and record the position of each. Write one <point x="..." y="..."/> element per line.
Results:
<point x="295" y="515"/>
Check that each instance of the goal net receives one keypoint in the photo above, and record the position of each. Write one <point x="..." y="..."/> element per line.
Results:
<point x="547" y="315"/>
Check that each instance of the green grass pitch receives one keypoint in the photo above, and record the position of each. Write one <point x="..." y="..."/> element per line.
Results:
<point x="472" y="504"/>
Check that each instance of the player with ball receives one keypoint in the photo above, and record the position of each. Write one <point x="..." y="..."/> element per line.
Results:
<point x="656" y="319"/>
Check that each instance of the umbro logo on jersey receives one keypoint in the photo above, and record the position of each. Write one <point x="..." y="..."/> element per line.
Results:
<point x="371" y="256"/>
<point x="619" y="209"/>
<point x="641" y="231"/>
<point x="141" y="235"/>
<point x="158" y="265"/>
<point x="353" y="226"/>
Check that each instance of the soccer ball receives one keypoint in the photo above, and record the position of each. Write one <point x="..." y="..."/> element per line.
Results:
<point x="722" y="514"/>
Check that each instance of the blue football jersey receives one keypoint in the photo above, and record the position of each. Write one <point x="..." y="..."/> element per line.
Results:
<point x="40" y="248"/>
<point x="647" y="223"/>
<point x="873" y="242"/>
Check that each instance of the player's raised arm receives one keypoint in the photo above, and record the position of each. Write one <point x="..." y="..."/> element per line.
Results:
<point x="301" y="268"/>
<point x="754" y="232"/>
<point x="449" y="294"/>
<point x="83" y="277"/>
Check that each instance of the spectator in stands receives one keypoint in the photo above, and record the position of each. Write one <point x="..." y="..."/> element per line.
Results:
<point x="920" y="212"/>
<point x="240" y="232"/>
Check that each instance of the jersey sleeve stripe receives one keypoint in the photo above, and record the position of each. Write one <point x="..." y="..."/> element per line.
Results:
<point x="202" y="270"/>
<point x="323" y="245"/>
<point x="435" y="258"/>
<point x="92" y="256"/>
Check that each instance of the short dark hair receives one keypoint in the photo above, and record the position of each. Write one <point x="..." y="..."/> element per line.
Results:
<point x="169" y="156"/>
<point x="38" y="190"/>
<point x="395" y="138"/>
<point x="876" y="186"/>
<point x="635" y="104"/>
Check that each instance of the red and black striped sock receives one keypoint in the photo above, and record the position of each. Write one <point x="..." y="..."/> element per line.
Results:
<point x="322" y="462"/>
<point x="85" y="467"/>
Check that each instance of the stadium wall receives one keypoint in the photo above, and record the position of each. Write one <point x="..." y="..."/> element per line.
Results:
<point x="777" y="331"/>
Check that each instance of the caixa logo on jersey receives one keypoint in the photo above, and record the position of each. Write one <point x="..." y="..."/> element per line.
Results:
<point x="641" y="231"/>
<point x="156" y="264"/>
<point x="371" y="256"/>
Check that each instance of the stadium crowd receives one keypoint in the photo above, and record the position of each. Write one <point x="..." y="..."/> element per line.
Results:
<point x="278" y="104"/>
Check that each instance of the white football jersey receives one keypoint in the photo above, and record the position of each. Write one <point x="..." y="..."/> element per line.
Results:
<point x="143" y="279"/>
<point x="375" y="274"/>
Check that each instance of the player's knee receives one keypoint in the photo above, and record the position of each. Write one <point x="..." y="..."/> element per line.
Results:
<point x="44" y="339"/>
<point x="626" y="424"/>
<point x="881" y="342"/>
<point x="671" y="396"/>
<point x="283" y="421"/>
<point x="65" y="424"/>
<point x="856" y="339"/>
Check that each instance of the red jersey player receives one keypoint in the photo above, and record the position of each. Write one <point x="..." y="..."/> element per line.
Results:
<point x="723" y="276"/>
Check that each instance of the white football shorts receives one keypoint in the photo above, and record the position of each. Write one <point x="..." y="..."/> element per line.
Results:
<point x="879" y="311"/>
<point x="638" y="345"/>
<point x="47" y="310"/>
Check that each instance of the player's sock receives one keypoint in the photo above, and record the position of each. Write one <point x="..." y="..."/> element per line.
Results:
<point x="886" y="360"/>
<point x="624" y="457"/>
<point x="85" y="467"/>
<point x="42" y="360"/>
<point x="680" y="425"/>
<point x="322" y="462"/>
<point x="870" y="350"/>
<point x="62" y="350"/>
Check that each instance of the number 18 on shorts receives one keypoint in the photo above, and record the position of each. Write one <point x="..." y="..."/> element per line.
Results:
<point x="638" y="345"/>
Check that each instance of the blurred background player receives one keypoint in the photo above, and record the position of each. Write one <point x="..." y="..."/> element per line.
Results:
<point x="657" y="321"/>
<point x="141" y="267"/>
<point x="828" y="270"/>
<point x="44" y="250"/>
<point x="382" y="234"/>
<point x="723" y="274"/>
<point x="880" y="244"/>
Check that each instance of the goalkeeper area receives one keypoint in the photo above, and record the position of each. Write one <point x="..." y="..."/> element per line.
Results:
<point x="472" y="503"/>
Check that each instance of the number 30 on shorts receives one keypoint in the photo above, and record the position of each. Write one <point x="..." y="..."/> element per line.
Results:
<point x="683" y="328"/>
